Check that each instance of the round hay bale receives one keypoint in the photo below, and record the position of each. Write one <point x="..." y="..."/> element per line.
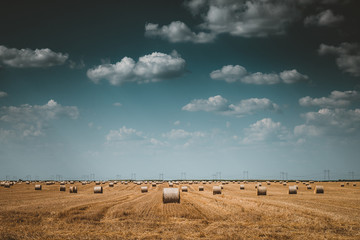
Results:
<point x="284" y="184"/>
<point x="97" y="183"/>
<point x="171" y="184"/>
<point x="261" y="191"/>
<point x="184" y="188"/>
<point x="111" y="184"/>
<point x="38" y="187"/>
<point x="27" y="182"/>
<point x="216" y="190"/>
<point x="144" y="189"/>
<point x="292" y="190"/>
<point x="222" y="186"/>
<point x="319" y="189"/>
<point x="7" y="185"/>
<point x="242" y="187"/>
<point x="73" y="189"/>
<point x="348" y="183"/>
<point x="98" y="189"/>
<point x="153" y="184"/>
<point x="201" y="188"/>
<point x="71" y="182"/>
<point x="171" y="195"/>
<point x="268" y="183"/>
<point x="342" y="185"/>
<point x="62" y="188"/>
<point x="83" y="183"/>
<point x="354" y="184"/>
<point x="308" y="187"/>
<point x="62" y="183"/>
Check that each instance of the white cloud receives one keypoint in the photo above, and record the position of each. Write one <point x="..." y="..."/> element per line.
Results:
<point x="176" y="123"/>
<point x="292" y="76"/>
<point x="265" y="130"/>
<point x="177" y="32"/>
<point x="117" y="104"/>
<point x="220" y="105"/>
<point x="212" y="104"/>
<point x="336" y="99"/>
<point x="23" y="58"/>
<point x="130" y="136"/>
<point x="229" y="73"/>
<point x="182" y="134"/>
<point x="149" y="68"/>
<point x="257" y="18"/>
<point x="124" y="134"/>
<point x="331" y="122"/>
<point x="324" y="18"/>
<point x="347" y="56"/>
<point x="30" y="120"/>
<point x="3" y="94"/>
<point x="237" y="73"/>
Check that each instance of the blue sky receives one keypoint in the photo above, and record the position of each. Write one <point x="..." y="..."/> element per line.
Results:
<point x="200" y="86"/>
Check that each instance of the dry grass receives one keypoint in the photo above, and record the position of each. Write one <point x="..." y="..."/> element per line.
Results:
<point x="122" y="212"/>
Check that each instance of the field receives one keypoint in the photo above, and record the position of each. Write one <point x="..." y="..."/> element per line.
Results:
<point x="123" y="212"/>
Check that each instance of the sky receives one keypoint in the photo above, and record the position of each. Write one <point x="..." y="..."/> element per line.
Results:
<point x="195" y="89"/>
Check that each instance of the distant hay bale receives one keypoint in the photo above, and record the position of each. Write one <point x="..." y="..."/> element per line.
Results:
<point x="342" y="185"/>
<point x="259" y="184"/>
<point x="261" y="191"/>
<point x="27" y="182"/>
<point x="98" y="189"/>
<point x="292" y="190"/>
<point x="38" y="187"/>
<point x="268" y="183"/>
<point x="138" y="183"/>
<point x="297" y="188"/>
<point x="7" y="185"/>
<point x="71" y="182"/>
<point x="222" y="186"/>
<point x="242" y="187"/>
<point x="354" y="184"/>
<point x="171" y="184"/>
<point x="83" y="183"/>
<point x="201" y="188"/>
<point x="125" y="183"/>
<point x="111" y="184"/>
<point x="97" y="183"/>
<point x="153" y="184"/>
<point x="73" y="189"/>
<point x="144" y="189"/>
<point x="216" y="190"/>
<point x="62" y="183"/>
<point x="256" y="186"/>
<point x="184" y="188"/>
<point x="319" y="189"/>
<point x="62" y="188"/>
<point x="348" y="183"/>
<point x="284" y="184"/>
<point x="311" y="182"/>
<point x="308" y="187"/>
<point x="171" y="195"/>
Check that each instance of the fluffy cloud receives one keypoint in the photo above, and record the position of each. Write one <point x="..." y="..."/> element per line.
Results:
<point x="30" y="120"/>
<point x="177" y="32"/>
<point x="336" y="122"/>
<point x="238" y="73"/>
<point x="149" y="68"/>
<point x="220" y="105"/>
<point x="347" y="56"/>
<point x="256" y="18"/>
<point x="212" y="104"/>
<point x="182" y="134"/>
<point x="117" y="104"/>
<point x="336" y="99"/>
<point x="126" y="135"/>
<point x="324" y="18"/>
<point x="23" y="58"/>
<point x="264" y="130"/>
<point x="3" y="94"/>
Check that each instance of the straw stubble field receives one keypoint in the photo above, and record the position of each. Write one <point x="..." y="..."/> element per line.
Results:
<point x="123" y="212"/>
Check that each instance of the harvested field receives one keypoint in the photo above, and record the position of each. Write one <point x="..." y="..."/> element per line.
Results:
<point x="123" y="212"/>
